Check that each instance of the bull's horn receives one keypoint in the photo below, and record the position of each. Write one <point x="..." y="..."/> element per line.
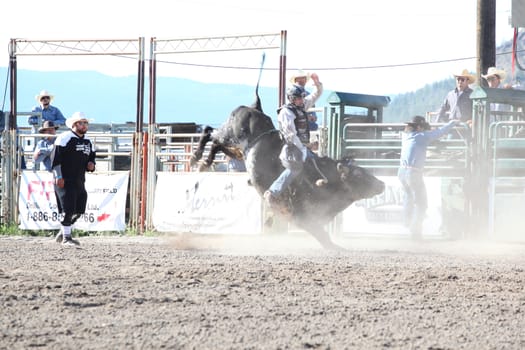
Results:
<point x="321" y="182"/>
<point x="342" y="169"/>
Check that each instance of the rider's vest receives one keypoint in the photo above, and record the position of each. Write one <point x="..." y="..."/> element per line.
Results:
<point x="301" y="123"/>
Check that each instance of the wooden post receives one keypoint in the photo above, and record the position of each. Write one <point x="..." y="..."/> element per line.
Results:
<point x="486" y="37"/>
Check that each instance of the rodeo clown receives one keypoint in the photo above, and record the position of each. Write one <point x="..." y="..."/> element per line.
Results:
<point x="293" y="125"/>
<point x="73" y="155"/>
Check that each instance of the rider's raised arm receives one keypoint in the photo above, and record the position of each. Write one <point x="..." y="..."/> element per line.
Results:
<point x="309" y="101"/>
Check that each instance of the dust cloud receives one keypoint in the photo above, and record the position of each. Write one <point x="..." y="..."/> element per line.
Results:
<point x="302" y="243"/>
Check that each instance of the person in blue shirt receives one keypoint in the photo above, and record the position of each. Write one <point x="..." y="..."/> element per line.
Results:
<point x="415" y="140"/>
<point x="44" y="147"/>
<point x="49" y="112"/>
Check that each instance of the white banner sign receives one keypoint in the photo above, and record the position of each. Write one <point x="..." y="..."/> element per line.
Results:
<point x="105" y="210"/>
<point x="382" y="214"/>
<point x="206" y="203"/>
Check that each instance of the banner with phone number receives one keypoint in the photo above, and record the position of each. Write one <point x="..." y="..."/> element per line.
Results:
<point x="105" y="209"/>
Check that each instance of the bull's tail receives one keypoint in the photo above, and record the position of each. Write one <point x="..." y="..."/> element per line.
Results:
<point x="257" y="105"/>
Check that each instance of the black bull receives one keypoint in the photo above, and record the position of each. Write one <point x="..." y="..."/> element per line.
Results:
<point x="324" y="188"/>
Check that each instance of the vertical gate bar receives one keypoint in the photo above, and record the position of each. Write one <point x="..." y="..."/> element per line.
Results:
<point x="135" y="181"/>
<point x="282" y="68"/>
<point x="12" y="159"/>
<point x="143" y="187"/>
<point x="152" y="176"/>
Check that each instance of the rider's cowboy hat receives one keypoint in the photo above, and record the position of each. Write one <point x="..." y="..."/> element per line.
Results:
<point x="471" y="78"/>
<point x="76" y="117"/>
<point x="44" y="93"/>
<point x="299" y="74"/>
<point x="419" y="121"/>
<point x="495" y="71"/>
<point x="48" y="124"/>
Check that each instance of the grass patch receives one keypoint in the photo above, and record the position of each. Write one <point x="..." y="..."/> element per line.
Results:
<point x="14" y="230"/>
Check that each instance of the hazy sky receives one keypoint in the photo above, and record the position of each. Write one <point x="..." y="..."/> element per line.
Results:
<point x="341" y="40"/>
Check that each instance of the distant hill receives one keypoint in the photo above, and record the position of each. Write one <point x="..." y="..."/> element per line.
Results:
<point x="113" y="99"/>
<point x="109" y="99"/>
<point x="430" y="97"/>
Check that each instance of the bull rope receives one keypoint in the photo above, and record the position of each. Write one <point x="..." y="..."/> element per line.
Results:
<point x="268" y="132"/>
<point x="257" y="139"/>
<point x="319" y="170"/>
<point x="251" y="144"/>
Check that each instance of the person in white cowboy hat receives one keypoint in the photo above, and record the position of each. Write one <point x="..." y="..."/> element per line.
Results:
<point x="495" y="78"/>
<point x="300" y="78"/>
<point x="74" y="154"/>
<point x="49" y="112"/>
<point x="44" y="147"/>
<point x="457" y="104"/>
<point x="415" y="140"/>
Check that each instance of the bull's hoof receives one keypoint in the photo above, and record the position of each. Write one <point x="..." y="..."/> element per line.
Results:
<point x="277" y="205"/>
<point x="204" y="167"/>
<point x="195" y="157"/>
<point x="331" y="246"/>
<point x="281" y="211"/>
<point x="193" y="161"/>
<point x="268" y="222"/>
<point x="285" y="212"/>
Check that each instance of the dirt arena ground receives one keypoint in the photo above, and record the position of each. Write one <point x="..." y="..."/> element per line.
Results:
<point x="260" y="292"/>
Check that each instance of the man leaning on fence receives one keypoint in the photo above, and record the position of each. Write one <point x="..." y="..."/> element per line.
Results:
<point x="44" y="147"/>
<point x="457" y="104"/>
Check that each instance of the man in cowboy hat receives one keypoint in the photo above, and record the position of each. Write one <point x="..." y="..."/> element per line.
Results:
<point x="44" y="147"/>
<point x="49" y="112"/>
<point x="495" y="78"/>
<point x="293" y="125"/>
<point x="299" y="77"/>
<point x="73" y="155"/>
<point x="415" y="140"/>
<point x="457" y="104"/>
